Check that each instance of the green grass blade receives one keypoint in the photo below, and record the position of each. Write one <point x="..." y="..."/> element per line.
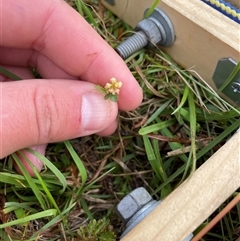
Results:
<point x="156" y="127"/>
<point x="79" y="5"/>
<point x="43" y="214"/>
<point x="158" y="112"/>
<point x="87" y="187"/>
<point x="151" y="9"/>
<point x="152" y="152"/>
<point x="160" y="170"/>
<point x="77" y="161"/>
<point x="185" y="114"/>
<point x="193" y="128"/>
<point x="30" y="181"/>
<point x="4" y="236"/>
<point x="23" y="197"/>
<point x="86" y="209"/>
<point x="174" y="145"/>
<point x="217" y="116"/>
<point x="13" y="206"/>
<point x="149" y="150"/>
<point x="139" y="53"/>
<point x="48" y="193"/>
<point x="51" y="167"/>
<point x="8" y="74"/>
<point x="235" y="71"/>
<point x="13" y="179"/>
<point x="159" y="164"/>
<point x="18" y="208"/>
<point x="184" y="98"/>
<point x="53" y="221"/>
<point x="171" y="178"/>
<point x="83" y="8"/>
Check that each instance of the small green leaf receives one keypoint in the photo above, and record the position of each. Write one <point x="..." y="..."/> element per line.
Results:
<point x="107" y="96"/>
<point x="114" y="98"/>
<point x="101" y="89"/>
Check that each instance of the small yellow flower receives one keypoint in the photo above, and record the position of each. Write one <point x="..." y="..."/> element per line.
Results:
<point x="111" y="90"/>
<point x="113" y="87"/>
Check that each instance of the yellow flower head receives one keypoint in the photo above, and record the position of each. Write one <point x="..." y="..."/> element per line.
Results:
<point x="113" y="87"/>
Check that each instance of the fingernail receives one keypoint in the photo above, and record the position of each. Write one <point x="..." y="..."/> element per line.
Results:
<point x="95" y="111"/>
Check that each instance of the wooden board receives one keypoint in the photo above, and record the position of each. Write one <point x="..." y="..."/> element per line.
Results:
<point x="203" y="35"/>
<point x="235" y="3"/>
<point x="192" y="202"/>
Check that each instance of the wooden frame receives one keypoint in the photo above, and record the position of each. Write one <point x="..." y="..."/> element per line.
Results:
<point x="203" y="35"/>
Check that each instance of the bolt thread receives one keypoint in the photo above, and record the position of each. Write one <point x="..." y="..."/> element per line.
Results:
<point x="132" y="44"/>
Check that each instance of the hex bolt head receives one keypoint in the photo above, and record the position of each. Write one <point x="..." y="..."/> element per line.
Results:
<point x="155" y="30"/>
<point x="165" y="27"/>
<point x="132" y="203"/>
<point x="151" y="30"/>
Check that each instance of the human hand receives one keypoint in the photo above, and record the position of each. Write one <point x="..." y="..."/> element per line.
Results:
<point x="71" y="58"/>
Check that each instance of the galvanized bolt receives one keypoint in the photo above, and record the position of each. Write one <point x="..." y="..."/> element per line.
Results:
<point x="236" y="87"/>
<point x="135" y="206"/>
<point x="155" y="30"/>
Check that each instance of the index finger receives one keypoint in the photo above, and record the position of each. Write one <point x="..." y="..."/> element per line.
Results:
<point x="61" y="34"/>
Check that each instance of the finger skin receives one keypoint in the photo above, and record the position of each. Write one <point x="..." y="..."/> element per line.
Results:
<point x="109" y="130"/>
<point x="35" y="112"/>
<point x="28" y="57"/>
<point x="64" y="37"/>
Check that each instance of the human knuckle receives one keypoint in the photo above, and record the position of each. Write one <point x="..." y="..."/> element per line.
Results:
<point x="46" y="112"/>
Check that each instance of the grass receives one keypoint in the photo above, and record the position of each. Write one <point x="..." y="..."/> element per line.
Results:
<point x="179" y="125"/>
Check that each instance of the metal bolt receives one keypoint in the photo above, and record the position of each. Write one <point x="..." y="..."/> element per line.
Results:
<point x="236" y="87"/>
<point x="135" y="206"/>
<point x="155" y="30"/>
<point x="132" y="203"/>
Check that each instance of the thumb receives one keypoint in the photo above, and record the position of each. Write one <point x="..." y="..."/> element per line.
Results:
<point x="35" y="112"/>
